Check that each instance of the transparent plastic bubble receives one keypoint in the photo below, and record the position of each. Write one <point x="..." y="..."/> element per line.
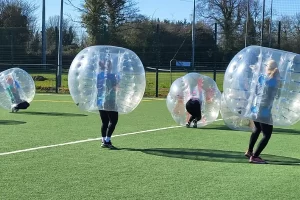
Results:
<point x="107" y="78"/>
<point x="263" y="84"/>
<point x="233" y="121"/>
<point x="16" y="87"/>
<point x="194" y="85"/>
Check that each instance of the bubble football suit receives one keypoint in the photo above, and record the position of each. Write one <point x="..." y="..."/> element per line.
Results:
<point x="107" y="78"/>
<point x="16" y="87"/>
<point x="234" y="121"/>
<point x="194" y="85"/>
<point x="263" y="84"/>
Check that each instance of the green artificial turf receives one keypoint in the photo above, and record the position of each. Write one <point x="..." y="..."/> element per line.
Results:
<point x="151" y="162"/>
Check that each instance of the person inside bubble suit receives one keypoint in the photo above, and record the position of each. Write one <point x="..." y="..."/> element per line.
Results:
<point x="193" y="107"/>
<point x="13" y="90"/>
<point x="193" y="104"/>
<point x="101" y="81"/>
<point x="107" y="83"/>
<point x="266" y="91"/>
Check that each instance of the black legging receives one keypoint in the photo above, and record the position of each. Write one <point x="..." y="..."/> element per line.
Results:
<point x="23" y="105"/>
<point x="267" y="132"/>
<point x="193" y="107"/>
<point x="109" y="122"/>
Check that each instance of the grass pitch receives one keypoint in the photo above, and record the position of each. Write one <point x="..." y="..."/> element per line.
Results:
<point x="51" y="151"/>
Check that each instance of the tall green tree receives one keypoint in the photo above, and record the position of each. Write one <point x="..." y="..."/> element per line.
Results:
<point x="103" y="19"/>
<point x="16" y="28"/>
<point x="70" y="36"/>
<point x="229" y="16"/>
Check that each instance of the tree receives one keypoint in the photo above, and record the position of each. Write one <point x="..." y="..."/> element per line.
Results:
<point x="103" y="19"/>
<point x="296" y="33"/>
<point x="228" y="14"/>
<point x="35" y="43"/>
<point x="17" y="24"/>
<point x="69" y="34"/>
<point x="159" y="46"/>
<point x="118" y="12"/>
<point x="252" y="23"/>
<point x="290" y="32"/>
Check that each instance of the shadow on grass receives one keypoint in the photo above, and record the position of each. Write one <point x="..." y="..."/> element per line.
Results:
<point x="286" y="131"/>
<point x="52" y="114"/>
<point x="217" y="127"/>
<point x="275" y="130"/>
<point x="11" y="122"/>
<point x="212" y="155"/>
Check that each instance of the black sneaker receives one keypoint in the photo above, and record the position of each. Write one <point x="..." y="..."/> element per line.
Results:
<point x="108" y="145"/>
<point x="195" y="124"/>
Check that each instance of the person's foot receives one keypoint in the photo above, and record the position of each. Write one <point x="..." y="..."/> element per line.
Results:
<point x="108" y="145"/>
<point x="248" y="154"/>
<point x="13" y="110"/>
<point x="188" y="124"/>
<point x="195" y="124"/>
<point x="257" y="160"/>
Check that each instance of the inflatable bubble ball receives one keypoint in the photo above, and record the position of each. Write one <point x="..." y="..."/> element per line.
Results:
<point x="233" y="121"/>
<point x="194" y="87"/>
<point x="107" y="78"/>
<point x="263" y="85"/>
<point x="16" y="87"/>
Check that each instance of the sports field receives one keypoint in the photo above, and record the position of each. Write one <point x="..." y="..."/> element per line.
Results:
<point x="164" y="82"/>
<point x="52" y="151"/>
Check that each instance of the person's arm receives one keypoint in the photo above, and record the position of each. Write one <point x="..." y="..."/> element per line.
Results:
<point x="209" y="95"/>
<point x="200" y="85"/>
<point x="17" y="84"/>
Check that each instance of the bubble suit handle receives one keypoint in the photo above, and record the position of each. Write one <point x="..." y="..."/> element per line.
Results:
<point x="263" y="84"/>
<point x="16" y="86"/>
<point x="194" y="85"/>
<point x="107" y="78"/>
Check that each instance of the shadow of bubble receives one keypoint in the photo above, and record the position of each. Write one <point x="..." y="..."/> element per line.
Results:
<point x="11" y="122"/>
<point x="212" y="155"/>
<point x="286" y="131"/>
<point x="52" y="114"/>
<point x="218" y="127"/>
<point x="275" y="130"/>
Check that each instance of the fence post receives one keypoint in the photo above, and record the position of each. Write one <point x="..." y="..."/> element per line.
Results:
<point x="157" y="59"/>
<point x="12" y="49"/>
<point x="279" y="34"/>
<point x="171" y="69"/>
<point x="56" y="48"/>
<point x="156" y="82"/>
<point x="214" y="52"/>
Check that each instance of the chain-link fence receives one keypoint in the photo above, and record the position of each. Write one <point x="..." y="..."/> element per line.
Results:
<point x="165" y="44"/>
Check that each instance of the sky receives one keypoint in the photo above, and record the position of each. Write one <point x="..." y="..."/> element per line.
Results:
<point x="169" y="9"/>
<point x="163" y="9"/>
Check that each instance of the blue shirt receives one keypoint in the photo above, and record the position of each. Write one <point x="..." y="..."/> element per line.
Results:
<point x="266" y="90"/>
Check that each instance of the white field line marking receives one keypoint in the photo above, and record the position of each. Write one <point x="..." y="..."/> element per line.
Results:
<point x="54" y="94"/>
<point x="51" y="94"/>
<point x="87" y="140"/>
<point x="59" y="101"/>
<point x="82" y="141"/>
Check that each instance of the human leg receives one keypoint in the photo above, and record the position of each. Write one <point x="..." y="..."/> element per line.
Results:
<point x="253" y="138"/>
<point x="113" y="120"/>
<point x="267" y="133"/>
<point x="193" y="108"/>
<point x="105" y="121"/>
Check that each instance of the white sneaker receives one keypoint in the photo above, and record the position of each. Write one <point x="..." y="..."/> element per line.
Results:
<point x="13" y="109"/>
